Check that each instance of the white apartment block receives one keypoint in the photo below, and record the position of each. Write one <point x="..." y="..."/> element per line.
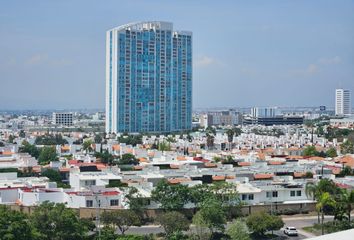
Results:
<point x="63" y="119"/>
<point x="343" y="102"/>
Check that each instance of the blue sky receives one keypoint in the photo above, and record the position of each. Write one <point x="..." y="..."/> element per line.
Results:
<point x="245" y="53"/>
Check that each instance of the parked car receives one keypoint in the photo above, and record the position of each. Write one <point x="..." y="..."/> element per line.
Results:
<point x="290" y="231"/>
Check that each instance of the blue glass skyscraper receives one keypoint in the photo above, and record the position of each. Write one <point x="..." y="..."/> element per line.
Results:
<point x="148" y="78"/>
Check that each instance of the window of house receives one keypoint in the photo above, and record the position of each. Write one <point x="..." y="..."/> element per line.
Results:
<point x="292" y="193"/>
<point x="89" y="203"/>
<point x="275" y="194"/>
<point x="114" y="202"/>
<point x="298" y="193"/>
<point x="268" y="194"/>
<point x="250" y="197"/>
<point x="244" y="197"/>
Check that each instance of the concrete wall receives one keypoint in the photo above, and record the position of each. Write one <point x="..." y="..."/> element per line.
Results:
<point x="246" y="210"/>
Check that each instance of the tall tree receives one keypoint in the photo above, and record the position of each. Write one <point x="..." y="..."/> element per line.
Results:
<point x="212" y="215"/>
<point x="47" y="154"/>
<point x="238" y="230"/>
<point x="56" y="222"/>
<point x="347" y="197"/>
<point x="325" y="200"/>
<point x="171" y="197"/>
<point x="123" y="219"/>
<point x="173" y="222"/>
<point x="15" y="225"/>
<point x="230" y="136"/>
<point x="87" y="146"/>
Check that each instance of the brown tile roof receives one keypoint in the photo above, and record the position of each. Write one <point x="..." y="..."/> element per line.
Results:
<point x="263" y="176"/>
<point x="218" y="178"/>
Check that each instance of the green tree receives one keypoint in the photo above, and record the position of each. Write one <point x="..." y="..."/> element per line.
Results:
<point x="310" y="151"/>
<point x="238" y="230"/>
<point x="15" y="225"/>
<point x="325" y="200"/>
<point x="171" y="197"/>
<point x="22" y="134"/>
<point x="47" y="154"/>
<point x="230" y="136"/>
<point x="136" y="201"/>
<point x="210" y="140"/>
<point x="55" y="222"/>
<point x="173" y="222"/>
<point x="332" y="152"/>
<point x="128" y="159"/>
<point x="261" y="222"/>
<point x="346" y="171"/>
<point x="212" y="215"/>
<point x="123" y="219"/>
<point x="276" y="223"/>
<point x="105" y="157"/>
<point x="98" y="138"/>
<point x="347" y="198"/>
<point x="87" y="146"/>
<point x="347" y="147"/>
<point x="11" y="138"/>
<point x="32" y="150"/>
<point x="164" y="146"/>
<point x="131" y="139"/>
<point x="49" y="139"/>
<point x="52" y="175"/>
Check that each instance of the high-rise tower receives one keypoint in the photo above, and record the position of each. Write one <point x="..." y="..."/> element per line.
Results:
<point x="148" y="78"/>
<point x="343" y="102"/>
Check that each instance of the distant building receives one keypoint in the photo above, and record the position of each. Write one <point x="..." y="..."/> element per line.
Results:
<point x="264" y="112"/>
<point x="342" y="102"/>
<point x="148" y="78"/>
<point x="64" y="119"/>
<point x="269" y="116"/>
<point x="225" y="118"/>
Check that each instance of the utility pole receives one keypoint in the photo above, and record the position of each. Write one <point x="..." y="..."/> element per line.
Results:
<point x="98" y="216"/>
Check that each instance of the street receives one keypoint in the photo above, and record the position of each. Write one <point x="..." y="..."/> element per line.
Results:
<point x="294" y="221"/>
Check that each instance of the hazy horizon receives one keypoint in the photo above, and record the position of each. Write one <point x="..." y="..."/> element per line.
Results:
<point x="259" y="53"/>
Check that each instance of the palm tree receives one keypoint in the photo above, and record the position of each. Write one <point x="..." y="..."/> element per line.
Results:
<point x="210" y="140"/>
<point x="312" y="190"/>
<point x="230" y="137"/>
<point x="325" y="200"/>
<point x="87" y="146"/>
<point x="347" y="197"/>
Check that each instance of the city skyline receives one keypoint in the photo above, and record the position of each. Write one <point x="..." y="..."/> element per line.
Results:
<point x="246" y="54"/>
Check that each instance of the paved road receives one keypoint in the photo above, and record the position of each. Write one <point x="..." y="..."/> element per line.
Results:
<point x="294" y="221"/>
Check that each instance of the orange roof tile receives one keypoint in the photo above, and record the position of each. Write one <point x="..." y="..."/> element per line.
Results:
<point x="174" y="166"/>
<point x="218" y="178"/>
<point x="138" y="167"/>
<point x="316" y="158"/>
<point x="116" y="147"/>
<point x="210" y="165"/>
<point x="276" y="163"/>
<point x="347" y="161"/>
<point x="142" y="159"/>
<point x="263" y="176"/>
<point x="243" y="164"/>
<point x="294" y="157"/>
<point x="181" y="158"/>
<point x="299" y="174"/>
<point x="177" y="180"/>
<point x="65" y="148"/>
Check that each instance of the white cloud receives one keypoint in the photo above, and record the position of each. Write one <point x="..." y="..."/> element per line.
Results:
<point x="205" y="61"/>
<point x="312" y="69"/>
<point x="39" y="59"/>
<point x="36" y="59"/>
<point x="330" y="61"/>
